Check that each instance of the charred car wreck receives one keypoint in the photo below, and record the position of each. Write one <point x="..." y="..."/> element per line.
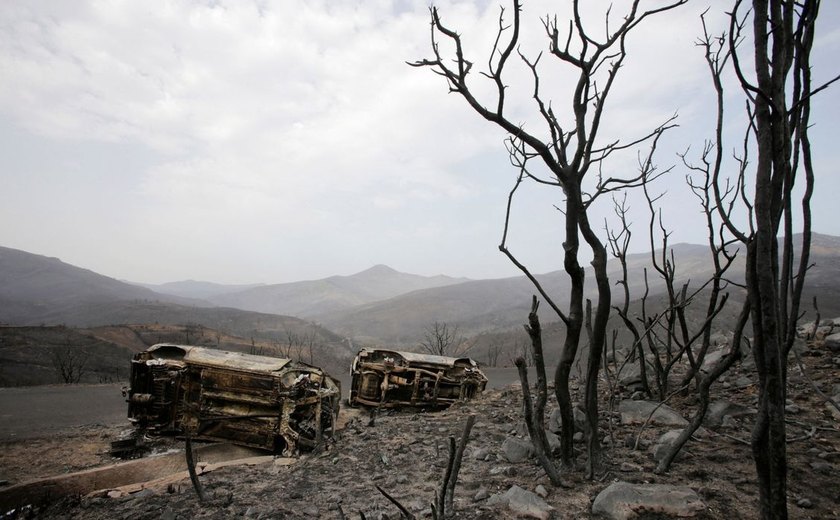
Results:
<point x="390" y="379"/>
<point x="263" y="402"/>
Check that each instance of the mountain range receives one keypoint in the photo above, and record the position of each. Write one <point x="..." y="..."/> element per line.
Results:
<point x="319" y="297"/>
<point x="376" y="306"/>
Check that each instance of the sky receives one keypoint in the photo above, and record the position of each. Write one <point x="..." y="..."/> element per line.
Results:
<point x="267" y="142"/>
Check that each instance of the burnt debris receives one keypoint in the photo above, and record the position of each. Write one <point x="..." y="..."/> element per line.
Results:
<point x="263" y="402"/>
<point x="391" y="379"/>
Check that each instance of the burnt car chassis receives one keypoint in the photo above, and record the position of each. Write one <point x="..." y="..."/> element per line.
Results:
<point x="263" y="402"/>
<point x="392" y="379"/>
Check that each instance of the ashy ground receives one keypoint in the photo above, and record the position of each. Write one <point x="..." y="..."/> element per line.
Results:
<point x="406" y="453"/>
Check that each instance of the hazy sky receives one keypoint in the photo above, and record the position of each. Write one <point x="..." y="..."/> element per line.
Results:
<point x="240" y="142"/>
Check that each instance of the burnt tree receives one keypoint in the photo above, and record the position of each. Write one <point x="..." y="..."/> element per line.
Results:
<point x="70" y="363"/>
<point x="778" y="90"/>
<point x="573" y="154"/>
<point x="442" y="339"/>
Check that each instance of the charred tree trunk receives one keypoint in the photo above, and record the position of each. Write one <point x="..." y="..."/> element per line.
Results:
<point x="535" y="411"/>
<point x="596" y="347"/>
<point x="574" y="328"/>
<point x="188" y="452"/>
<point x="779" y="93"/>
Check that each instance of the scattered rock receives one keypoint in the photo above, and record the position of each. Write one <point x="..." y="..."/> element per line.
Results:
<point x="503" y="470"/>
<point x="517" y="450"/>
<point x="553" y="442"/>
<point x="631" y="377"/>
<point x="743" y="382"/>
<point x="481" y="454"/>
<point x="481" y="494"/>
<point x="637" y="412"/>
<point x="629" y="467"/>
<point x="415" y="505"/>
<point x="580" y="417"/>
<point x="622" y="501"/>
<point x="804" y="503"/>
<point x="832" y="411"/>
<point x="832" y="342"/>
<point x="523" y="502"/>
<point x="720" y="409"/>
<point x="664" y="444"/>
<point x="712" y="358"/>
<point x="822" y="467"/>
<point x="541" y="491"/>
<point x="728" y="422"/>
<point x="554" y="425"/>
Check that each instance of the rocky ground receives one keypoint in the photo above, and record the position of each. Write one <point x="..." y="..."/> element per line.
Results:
<point x="406" y="453"/>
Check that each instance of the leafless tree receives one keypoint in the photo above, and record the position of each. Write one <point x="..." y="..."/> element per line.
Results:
<point x="309" y="342"/>
<point x="192" y="331"/>
<point x="255" y="350"/>
<point x="70" y="363"/>
<point x="292" y="340"/>
<point x="442" y="339"/>
<point x="572" y="153"/>
<point x="494" y="350"/>
<point x="669" y="334"/>
<point x="778" y="91"/>
<point x="534" y="409"/>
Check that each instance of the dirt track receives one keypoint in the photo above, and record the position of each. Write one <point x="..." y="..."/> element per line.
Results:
<point x="39" y="411"/>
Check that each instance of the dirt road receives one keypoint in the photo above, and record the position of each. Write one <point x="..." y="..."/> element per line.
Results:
<point x="39" y="411"/>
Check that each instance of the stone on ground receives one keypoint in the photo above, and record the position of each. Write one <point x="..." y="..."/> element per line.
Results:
<point x="624" y="501"/>
<point x="637" y="412"/>
<point x="832" y="342"/>
<point x="523" y="502"/>
<point x="720" y="409"/>
<point x="664" y="443"/>
<point x="517" y="450"/>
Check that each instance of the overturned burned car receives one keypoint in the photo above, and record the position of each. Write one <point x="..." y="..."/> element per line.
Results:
<point x="391" y="379"/>
<point x="263" y="402"/>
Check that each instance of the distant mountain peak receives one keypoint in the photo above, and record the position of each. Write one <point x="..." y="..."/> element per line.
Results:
<point x="379" y="269"/>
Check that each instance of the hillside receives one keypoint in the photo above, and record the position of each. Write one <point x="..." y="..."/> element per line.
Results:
<point x="37" y="290"/>
<point x="482" y="306"/>
<point x="314" y="297"/>
<point x="32" y="355"/>
<point x="51" y="309"/>
<point x="35" y="287"/>
<point x="195" y="289"/>
<point x="379" y="306"/>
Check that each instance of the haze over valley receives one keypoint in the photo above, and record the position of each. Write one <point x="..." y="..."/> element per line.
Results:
<point x="46" y="304"/>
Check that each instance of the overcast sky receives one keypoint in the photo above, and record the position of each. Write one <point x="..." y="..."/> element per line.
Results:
<point x="242" y="142"/>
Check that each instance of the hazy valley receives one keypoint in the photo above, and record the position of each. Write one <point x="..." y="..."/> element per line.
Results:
<point x="47" y="306"/>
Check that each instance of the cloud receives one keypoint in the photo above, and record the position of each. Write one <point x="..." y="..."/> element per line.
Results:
<point x="263" y="122"/>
